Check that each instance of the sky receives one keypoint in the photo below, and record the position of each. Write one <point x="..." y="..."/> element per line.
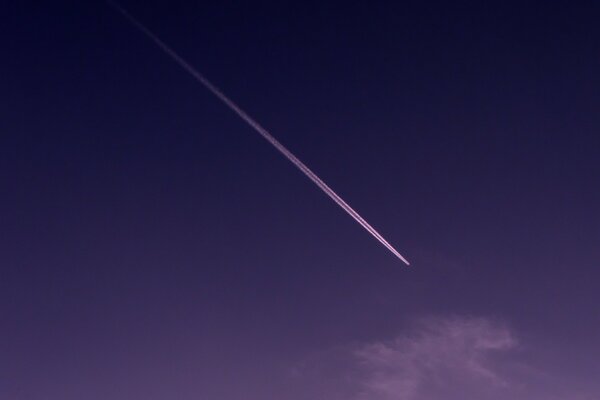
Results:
<point x="154" y="246"/>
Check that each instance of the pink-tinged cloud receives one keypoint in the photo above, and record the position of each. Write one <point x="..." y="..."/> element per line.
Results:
<point x="443" y="358"/>
<point x="437" y="358"/>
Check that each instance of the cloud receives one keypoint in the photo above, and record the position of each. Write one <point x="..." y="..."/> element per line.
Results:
<point x="445" y="358"/>
<point x="437" y="358"/>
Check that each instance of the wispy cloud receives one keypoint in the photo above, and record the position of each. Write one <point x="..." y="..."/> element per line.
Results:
<point x="435" y="355"/>
<point x="442" y="358"/>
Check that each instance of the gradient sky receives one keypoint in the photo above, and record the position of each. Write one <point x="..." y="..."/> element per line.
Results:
<point x="155" y="247"/>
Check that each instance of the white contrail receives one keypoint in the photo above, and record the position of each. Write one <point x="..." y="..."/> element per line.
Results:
<point x="263" y="132"/>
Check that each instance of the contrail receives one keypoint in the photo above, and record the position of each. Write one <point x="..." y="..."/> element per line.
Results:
<point x="257" y="127"/>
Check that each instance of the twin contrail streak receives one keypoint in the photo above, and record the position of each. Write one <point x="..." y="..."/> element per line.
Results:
<point x="262" y="131"/>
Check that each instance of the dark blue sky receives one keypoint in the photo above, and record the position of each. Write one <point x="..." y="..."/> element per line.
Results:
<point x="154" y="246"/>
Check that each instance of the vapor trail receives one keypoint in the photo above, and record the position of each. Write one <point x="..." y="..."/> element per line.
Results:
<point x="262" y="131"/>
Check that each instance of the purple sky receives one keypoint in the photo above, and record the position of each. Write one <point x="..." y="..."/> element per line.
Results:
<point x="155" y="247"/>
